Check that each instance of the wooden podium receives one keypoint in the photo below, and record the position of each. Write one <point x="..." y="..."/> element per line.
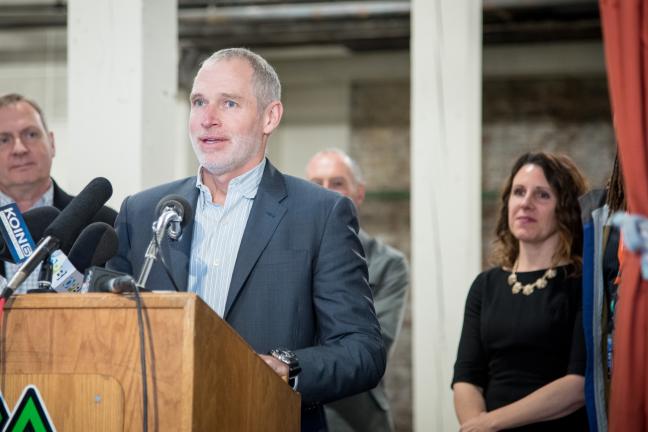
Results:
<point x="82" y="353"/>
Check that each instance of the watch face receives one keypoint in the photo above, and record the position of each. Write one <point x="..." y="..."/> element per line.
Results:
<point x="289" y="355"/>
<point x="289" y="358"/>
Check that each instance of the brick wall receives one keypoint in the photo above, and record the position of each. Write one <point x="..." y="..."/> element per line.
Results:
<point x="563" y="114"/>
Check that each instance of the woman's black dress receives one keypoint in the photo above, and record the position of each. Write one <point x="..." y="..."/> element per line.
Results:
<point x="513" y="344"/>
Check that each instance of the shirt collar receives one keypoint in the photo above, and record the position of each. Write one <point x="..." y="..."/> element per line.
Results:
<point x="47" y="199"/>
<point x="247" y="184"/>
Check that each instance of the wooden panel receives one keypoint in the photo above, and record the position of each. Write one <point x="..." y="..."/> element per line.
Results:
<point x="249" y="387"/>
<point x="97" y="334"/>
<point x="201" y="374"/>
<point x="74" y="402"/>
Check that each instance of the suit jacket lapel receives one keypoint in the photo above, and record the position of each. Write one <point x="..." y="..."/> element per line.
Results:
<point x="60" y="198"/>
<point x="180" y="251"/>
<point x="266" y="213"/>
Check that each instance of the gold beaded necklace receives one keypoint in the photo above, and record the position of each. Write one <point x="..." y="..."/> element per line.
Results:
<point x="528" y="289"/>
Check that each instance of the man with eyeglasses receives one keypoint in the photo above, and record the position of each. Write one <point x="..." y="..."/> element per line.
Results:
<point x="27" y="149"/>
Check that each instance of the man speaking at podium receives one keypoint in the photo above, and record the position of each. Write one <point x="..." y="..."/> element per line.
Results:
<point x="275" y="256"/>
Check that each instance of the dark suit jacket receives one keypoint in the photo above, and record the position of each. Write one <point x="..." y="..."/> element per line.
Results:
<point x="61" y="199"/>
<point x="299" y="282"/>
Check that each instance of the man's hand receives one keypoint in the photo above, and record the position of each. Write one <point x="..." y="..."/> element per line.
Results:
<point x="279" y="367"/>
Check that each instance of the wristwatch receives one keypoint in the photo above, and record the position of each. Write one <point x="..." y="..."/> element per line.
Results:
<point x="290" y="359"/>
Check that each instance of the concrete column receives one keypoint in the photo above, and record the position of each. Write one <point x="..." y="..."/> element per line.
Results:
<point x="446" y="199"/>
<point x="122" y="81"/>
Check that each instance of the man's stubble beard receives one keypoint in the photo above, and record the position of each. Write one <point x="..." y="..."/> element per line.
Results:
<point x="241" y="151"/>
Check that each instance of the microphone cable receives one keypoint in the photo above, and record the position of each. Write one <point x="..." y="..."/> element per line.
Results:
<point x="142" y="343"/>
<point x="165" y="266"/>
<point x="181" y="206"/>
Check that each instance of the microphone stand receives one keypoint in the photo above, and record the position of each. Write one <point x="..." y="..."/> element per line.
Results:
<point x="44" y="248"/>
<point x="170" y="218"/>
<point x="44" y="277"/>
<point x="167" y="218"/>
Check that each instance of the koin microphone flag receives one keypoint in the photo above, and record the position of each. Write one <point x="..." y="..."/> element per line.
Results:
<point x="16" y="235"/>
<point x="62" y="232"/>
<point x="37" y="220"/>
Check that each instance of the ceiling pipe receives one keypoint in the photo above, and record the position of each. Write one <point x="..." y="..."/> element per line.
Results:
<point x="54" y="14"/>
<point x="530" y="4"/>
<point x="287" y="12"/>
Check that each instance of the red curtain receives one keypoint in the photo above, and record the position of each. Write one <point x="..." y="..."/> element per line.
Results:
<point x="625" y="35"/>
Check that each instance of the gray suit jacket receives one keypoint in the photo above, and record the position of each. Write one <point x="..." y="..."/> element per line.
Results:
<point x="389" y="279"/>
<point x="299" y="282"/>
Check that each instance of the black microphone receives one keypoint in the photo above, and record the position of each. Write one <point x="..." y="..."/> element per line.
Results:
<point x="99" y="279"/>
<point x="118" y="285"/>
<point x="79" y="212"/>
<point x="37" y="221"/>
<point x="96" y="244"/>
<point x="62" y="232"/>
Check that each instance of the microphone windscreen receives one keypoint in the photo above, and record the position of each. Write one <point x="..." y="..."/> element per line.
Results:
<point x="79" y="212"/>
<point x="96" y="244"/>
<point x="37" y="220"/>
<point x="179" y="204"/>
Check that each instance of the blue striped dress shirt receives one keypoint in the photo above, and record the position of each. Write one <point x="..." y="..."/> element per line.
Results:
<point x="218" y="230"/>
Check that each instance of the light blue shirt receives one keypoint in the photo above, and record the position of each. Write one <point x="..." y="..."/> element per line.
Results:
<point x="218" y="230"/>
<point x="10" y="269"/>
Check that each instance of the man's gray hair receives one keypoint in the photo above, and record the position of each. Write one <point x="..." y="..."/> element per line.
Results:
<point x="14" y="98"/>
<point x="356" y="172"/>
<point x="267" y="86"/>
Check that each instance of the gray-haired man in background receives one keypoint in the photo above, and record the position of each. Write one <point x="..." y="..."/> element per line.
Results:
<point x="388" y="278"/>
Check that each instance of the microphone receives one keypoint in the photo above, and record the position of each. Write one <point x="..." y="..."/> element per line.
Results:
<point x="79" y="212"/>
<point x="99" y="279"/>
<point x="37" y="220"/>
<point x="175" y="212"/>
<point x="62" y="232"/>
<point x="17" y="229"/>
<point x="96" y="244"/>
<point x="118" y="285"/>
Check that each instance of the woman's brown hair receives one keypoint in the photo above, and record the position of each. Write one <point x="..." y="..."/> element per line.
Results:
<point x="568" y="183"/>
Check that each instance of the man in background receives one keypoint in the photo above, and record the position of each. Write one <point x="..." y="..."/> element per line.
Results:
<point x="388" y="278"/>
<point x="27" y="149"/>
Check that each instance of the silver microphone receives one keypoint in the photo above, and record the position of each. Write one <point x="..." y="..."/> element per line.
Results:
<point x="174" y="213"/>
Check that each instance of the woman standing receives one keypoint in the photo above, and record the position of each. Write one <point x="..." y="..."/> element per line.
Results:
<point x="521" y="357"/>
